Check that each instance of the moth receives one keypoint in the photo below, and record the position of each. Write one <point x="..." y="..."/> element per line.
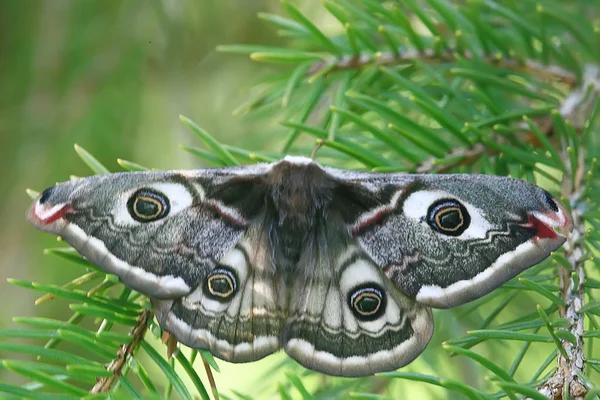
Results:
<point x="338" y="268"/>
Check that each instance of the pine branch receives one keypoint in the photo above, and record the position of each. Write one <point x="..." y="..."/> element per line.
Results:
<point x="125" y="351"/>
<point x="566" y="382"/>
<point x="402" y="56"/>
<point x="467" y="156"/>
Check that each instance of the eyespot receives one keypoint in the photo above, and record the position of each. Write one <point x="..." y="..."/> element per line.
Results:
<point x="448" y="216"/>
<point x="221" y="284"/>
<point x="147" y="205"/>
<point x="367" y="302"/>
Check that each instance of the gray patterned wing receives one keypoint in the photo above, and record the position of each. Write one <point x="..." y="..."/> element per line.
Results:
<point x="237" y="313"/>
<point x="345" y="316"/>
<point x="185" y="240"/>
<point x="160" y="232"/>
<point x="448" y="239"/>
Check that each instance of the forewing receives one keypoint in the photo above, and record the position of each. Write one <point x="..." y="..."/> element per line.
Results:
<point x="160" y="232"/>
<point x="448" y="239"/>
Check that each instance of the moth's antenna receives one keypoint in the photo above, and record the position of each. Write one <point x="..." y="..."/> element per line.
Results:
<point x="320" y="143"/>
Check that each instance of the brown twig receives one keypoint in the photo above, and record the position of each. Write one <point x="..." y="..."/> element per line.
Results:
<point x="320" y="143"/>
<point x="403" y="56"/>
<point x="211" y="378"/>
<point x="171" y="343"/>
<point x="116" y="366"/>
<point x="464" y="155"/>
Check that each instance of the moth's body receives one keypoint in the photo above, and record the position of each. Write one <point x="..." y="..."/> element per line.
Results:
<point x="299" y="196"/>
<point x="337" y="267"/>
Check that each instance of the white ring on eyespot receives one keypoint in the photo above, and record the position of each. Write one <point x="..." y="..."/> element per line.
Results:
<point x="354" y="275"/>
<point x="177" y="194"/>
<point x="197" y="299"/>
<point x="416" y="205"/>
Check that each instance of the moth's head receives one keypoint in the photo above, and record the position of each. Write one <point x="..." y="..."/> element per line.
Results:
<point x="129" y="199"/>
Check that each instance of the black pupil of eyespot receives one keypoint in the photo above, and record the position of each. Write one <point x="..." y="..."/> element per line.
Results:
<point x="147" y="207"/>
<point x="220" y="285"/>
<point x="368" y="304"/>
<point x="450" y="219"/>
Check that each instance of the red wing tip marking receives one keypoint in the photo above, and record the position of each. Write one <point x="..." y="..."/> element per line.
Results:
<point x="545" y="223"/>
<point x="543" y="230"/>
<point x="46" y="215"/>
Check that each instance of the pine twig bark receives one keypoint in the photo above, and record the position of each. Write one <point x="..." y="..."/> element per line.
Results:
<point x="402" y="56"/>
<point x="103" y="385"/>
<point x="566" y="383"/>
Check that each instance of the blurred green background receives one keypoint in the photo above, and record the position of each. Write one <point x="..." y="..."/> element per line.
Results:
<point x="113" y="77"/>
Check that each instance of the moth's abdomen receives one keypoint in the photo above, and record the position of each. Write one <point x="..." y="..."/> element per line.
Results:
<point x="299" y="196"/>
